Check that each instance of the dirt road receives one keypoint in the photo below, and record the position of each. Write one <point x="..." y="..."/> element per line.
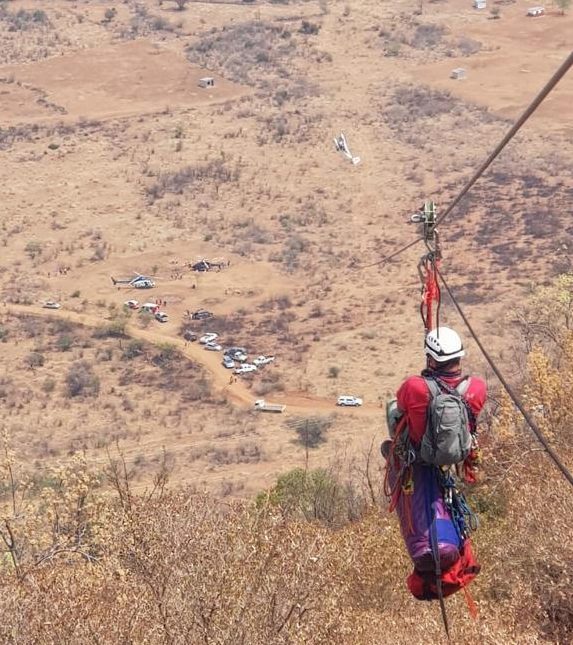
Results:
<point x="237" y="392"/>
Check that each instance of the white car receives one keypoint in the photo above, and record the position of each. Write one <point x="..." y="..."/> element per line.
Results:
<point x="131" y="304"/>
<point x="352" y="401"/>
<point x="161" y="316"/>
<point x="263" y="360"/>
<point x="246" y="368"/>
<point x="213" y="347"/>
<point x="50" y="304"/>
<point x="208" y="338"/>
<point x="228" y="362"/>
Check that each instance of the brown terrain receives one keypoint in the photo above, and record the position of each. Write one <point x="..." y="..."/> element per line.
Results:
<point x="113" y="160"/>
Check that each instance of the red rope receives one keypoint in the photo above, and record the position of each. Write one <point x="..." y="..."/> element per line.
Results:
<point x="430" y="292"/>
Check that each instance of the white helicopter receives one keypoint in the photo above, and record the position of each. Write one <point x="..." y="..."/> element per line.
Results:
<point x="341" y="145"/>
<point x="138" y="282"/>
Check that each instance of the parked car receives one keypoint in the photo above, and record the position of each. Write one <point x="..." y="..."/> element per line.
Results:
<point x="237" y="353"/>
<point x="149" y="308"/>
<point x="208" y="338"/>
<point x="245" y="368"/>
<point x="213" y="347"/>
<point x="189" y="336"/>
<point x="228" y="362"/>
<point x="346" y="400"/>
<point x="161" y="316"/>
<point x="50" y="304"/>
<point x="131" y="304"/>
<point x="263" y="360"/>
<point x="201" y="314"/>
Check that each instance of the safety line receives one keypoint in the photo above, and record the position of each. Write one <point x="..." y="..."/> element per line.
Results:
<point x="551" y="83"/>
<point x="517" y="402"/>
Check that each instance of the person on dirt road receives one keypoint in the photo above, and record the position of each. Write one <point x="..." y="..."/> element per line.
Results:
<point x="444" y="350"/>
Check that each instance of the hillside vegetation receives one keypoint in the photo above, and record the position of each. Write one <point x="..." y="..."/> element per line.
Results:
<point x="315" y="560"/>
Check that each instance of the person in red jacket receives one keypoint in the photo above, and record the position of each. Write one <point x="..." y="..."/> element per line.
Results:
<point x="444" y="350"/>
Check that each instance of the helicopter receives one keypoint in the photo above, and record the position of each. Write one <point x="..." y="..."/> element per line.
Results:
<point x="138" y="282"/>
<point x="341" y="145"/>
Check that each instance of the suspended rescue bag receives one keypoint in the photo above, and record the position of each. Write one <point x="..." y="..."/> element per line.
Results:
<point x="434" y="518"/>
<point x="420" y="504"/>
<point x="447" y="440"/>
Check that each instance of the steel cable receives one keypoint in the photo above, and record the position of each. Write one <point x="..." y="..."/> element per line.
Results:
<point x="517" y="402"/>
<point x="551" y="83"/>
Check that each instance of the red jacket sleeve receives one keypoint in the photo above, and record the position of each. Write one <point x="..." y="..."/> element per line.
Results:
<point x="476" y="394"/>
<point x="413" y="398"/>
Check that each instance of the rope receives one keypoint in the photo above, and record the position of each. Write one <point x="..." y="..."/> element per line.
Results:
<point x="387" y="258"/>
<point x="517" y="402"/>
<point x="551" y="83"/>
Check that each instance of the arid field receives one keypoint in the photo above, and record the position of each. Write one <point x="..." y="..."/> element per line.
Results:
<point x="115" y="162"/>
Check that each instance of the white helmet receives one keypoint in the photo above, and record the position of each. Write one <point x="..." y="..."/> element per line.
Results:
<point x="443" y="344"/>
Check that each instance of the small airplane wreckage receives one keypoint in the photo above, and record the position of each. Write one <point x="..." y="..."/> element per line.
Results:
<point x="341" y="145"/>
<point x="139" y="281"/>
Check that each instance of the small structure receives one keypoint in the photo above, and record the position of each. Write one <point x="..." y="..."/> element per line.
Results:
<point x="480" y="4"/>
<point x="458" y="73"/>
<point x="208" y="81"/>
<point x="536" y="11"/>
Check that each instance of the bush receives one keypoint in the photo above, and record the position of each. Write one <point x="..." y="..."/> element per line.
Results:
<point x="133" y="349"/>
<point x="23" y="20"/>
<point x="427" y="36"/>
<point x="167" y="353"/>
<point x="49" y="385"/>
<point x="310" y="432"/>
<point x="81" y="380"/>
<point x="309" y="28"/>
<point x="247" y="52"/>
<point x="333" y="371"/>
<point x="468" y="46"/>
<point x="410" y="104"/>
<point x="192" y="176"/>
<point x="315" y="495"/>
<point x="64" y="343"/>
<point x="35" y="359"/>
<point x="33" y="249"/>
<point x="114" y="329"/>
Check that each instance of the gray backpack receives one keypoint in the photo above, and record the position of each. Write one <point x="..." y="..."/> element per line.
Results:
<point x="447" y="440"/>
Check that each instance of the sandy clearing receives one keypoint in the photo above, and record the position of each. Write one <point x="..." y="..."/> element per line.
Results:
<point x="111" y="81"/>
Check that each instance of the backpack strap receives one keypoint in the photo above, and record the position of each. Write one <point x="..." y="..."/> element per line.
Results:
<point x="463" y="386"/>
<point x="433" y="386"/>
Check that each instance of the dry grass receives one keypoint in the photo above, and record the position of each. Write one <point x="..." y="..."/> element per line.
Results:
<point x="175" y="566"/>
